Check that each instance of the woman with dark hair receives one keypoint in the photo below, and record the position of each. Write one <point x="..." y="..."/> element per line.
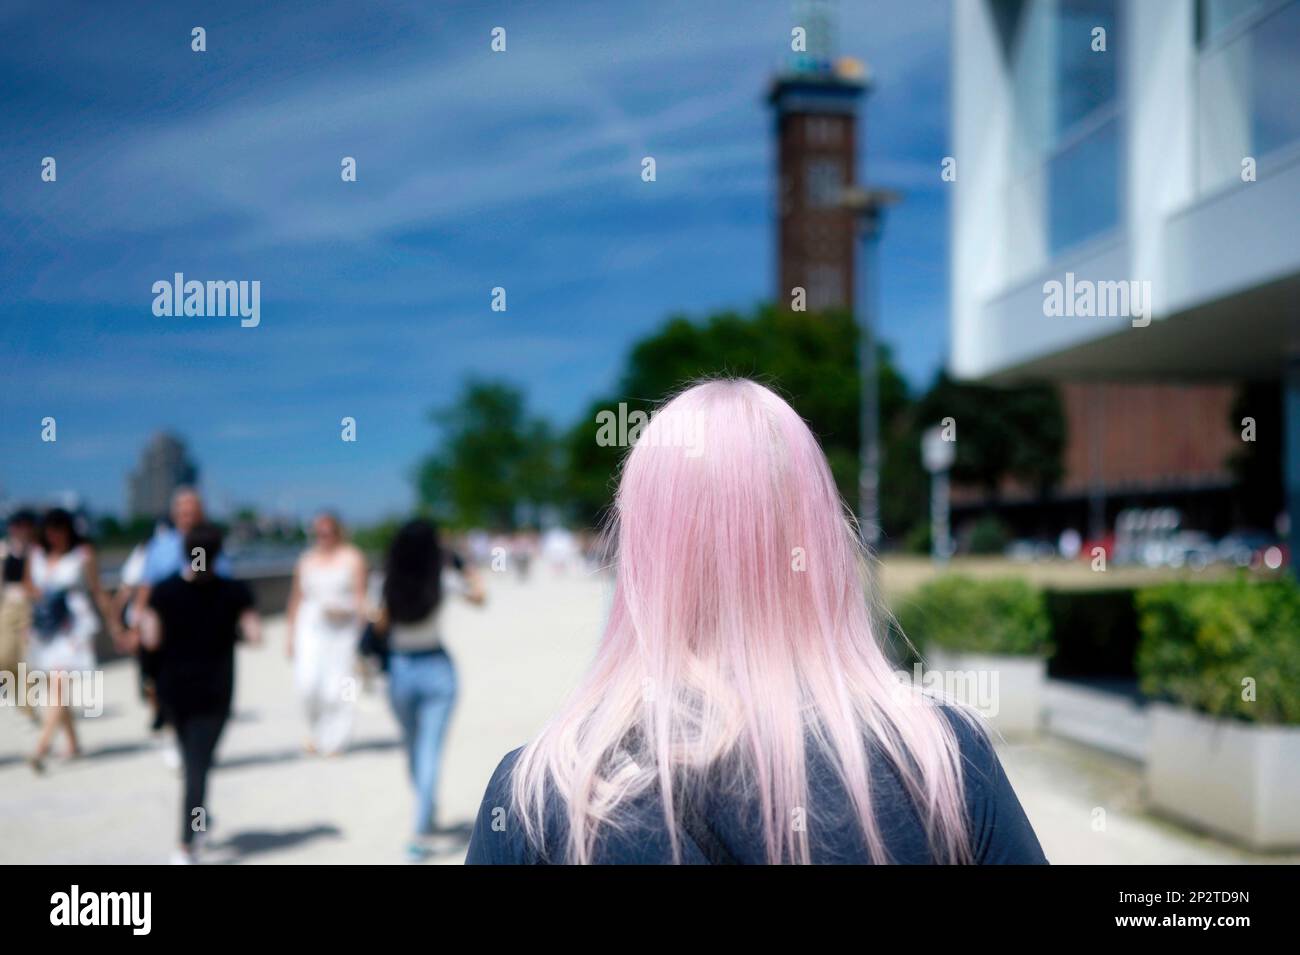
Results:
<point x="192" y="623"/>
<point x="421" y="676"/>
<point x="62" y="580"/>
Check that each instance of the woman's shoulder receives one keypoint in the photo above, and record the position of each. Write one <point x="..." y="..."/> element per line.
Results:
<point x="970" y="730"/>
<point x="1000" y="832"/>
<point x="978" y="758"/>
<point x="498" y="837"/>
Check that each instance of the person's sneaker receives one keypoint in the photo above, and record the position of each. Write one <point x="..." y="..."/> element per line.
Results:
<point x="418" y="850"/>
<point x="171" y="755"/>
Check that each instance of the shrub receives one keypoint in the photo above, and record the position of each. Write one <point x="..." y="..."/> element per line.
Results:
<point x="978" y="616"/>
<point x="987" y="536"/>
<point x="1201" y="641"/>
<point x="917" y="540"/>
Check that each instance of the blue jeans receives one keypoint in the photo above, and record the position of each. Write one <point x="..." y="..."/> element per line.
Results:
<point x="422" y="691"/>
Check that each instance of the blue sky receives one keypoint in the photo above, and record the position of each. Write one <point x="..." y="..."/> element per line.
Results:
<point x="475" y="170"/>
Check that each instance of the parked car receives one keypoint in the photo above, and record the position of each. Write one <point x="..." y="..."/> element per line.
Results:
<point x="1189" y="549"/>
<point x="1031" y="549"/>
<point x="1244" y="549"/>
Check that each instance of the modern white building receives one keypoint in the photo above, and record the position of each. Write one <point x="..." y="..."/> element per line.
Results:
<point x="1153" y="143"/>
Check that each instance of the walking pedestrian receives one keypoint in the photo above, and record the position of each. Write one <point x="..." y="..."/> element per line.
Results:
<point x="15" y="607"/>
<point x="193" y="621"/>
<point x="62" y="579"/>
<point x="326" y="613"/>
<point x="422" y="677"/>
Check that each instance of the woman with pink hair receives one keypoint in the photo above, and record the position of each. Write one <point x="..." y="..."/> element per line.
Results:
<point x="740" y="708"/>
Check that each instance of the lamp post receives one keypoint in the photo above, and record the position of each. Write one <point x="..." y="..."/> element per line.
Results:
<point x="1291" y="456"/>
<point x="868" y="206"/>
<point x="938" y="455"/>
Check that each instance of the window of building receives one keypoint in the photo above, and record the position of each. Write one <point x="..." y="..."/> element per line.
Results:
<point x="1083" y="162"/>
<point x="1068" y="116"/>
<point x="1214" y="17"/>
<point x="825" y="183"/>
<point x="1248" y="84"/>
<point x="823" y="130"/>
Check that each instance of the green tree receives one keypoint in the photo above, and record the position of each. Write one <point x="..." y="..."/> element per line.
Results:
<point x="809" y="359"/>
<point x="492" y="458"/>
<point x="1014" y="432"/>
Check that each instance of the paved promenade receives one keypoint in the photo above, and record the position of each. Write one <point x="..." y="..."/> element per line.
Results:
<point x="517" y="657"/>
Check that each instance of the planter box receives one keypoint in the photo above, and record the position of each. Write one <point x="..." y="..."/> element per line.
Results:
<point x="1237" y="779"/>
<point x="1007" y="689"/>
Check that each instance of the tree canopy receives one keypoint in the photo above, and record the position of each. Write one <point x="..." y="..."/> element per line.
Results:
<point x="498" y="465"/>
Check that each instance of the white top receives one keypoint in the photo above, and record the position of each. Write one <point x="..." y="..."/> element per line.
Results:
<point x="72" y="648"/>
<point x="132" y="574"/>
<point x="425" y="635"/>
<point x="328" y="591"/>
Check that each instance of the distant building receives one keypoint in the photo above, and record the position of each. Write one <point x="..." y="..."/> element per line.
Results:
<point x="164" y="466"/>
<point x="815" y="102"/>
<point x="1145" y="158"/>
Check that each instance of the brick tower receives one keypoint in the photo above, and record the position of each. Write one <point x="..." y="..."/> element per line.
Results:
<point x="815" y="104"/>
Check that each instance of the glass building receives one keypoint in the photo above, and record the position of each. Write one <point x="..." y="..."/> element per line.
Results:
<point x="1147" y="146"/>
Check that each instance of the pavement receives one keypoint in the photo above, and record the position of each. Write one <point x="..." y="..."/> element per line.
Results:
<point x="517" y="658"/>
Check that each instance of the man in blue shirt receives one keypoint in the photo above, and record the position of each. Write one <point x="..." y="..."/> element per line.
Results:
<point x="166" y="555"/>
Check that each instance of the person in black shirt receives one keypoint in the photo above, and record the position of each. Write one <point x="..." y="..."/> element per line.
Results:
<point x="193" y="621"/>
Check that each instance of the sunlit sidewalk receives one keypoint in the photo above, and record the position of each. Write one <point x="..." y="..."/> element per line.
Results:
<point x="270" y="803"/>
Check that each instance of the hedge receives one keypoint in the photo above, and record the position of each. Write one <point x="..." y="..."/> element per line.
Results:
<point x="1005" y="616"/>
<point x="1200" y="641"/>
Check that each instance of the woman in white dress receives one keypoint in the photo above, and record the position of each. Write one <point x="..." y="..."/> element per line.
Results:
<point x="62" y="579"/>
<point x="326" y="613"/>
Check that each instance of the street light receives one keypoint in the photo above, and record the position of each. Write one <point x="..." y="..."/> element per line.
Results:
<point x="868" y="207"/>
<point x="938" y="455"/>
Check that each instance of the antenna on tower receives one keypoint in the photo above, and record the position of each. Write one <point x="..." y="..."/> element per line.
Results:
<point x="817" y="17"/>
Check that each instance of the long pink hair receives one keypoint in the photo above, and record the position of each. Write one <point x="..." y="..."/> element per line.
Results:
<point x="740" y="636"/>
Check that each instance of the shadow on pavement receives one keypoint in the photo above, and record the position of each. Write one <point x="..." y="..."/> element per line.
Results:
<point x="296" y="753"/>
<point x="451" y="840"/>
<point x="118" y="749"/>
<point x="12" y="759"/>
<point x="373" y="746"/>
<point x="244" y="844"/>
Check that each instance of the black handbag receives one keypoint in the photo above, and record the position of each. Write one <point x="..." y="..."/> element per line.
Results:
<point x="50" y="615"/>
<point x="374" y="643"/>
